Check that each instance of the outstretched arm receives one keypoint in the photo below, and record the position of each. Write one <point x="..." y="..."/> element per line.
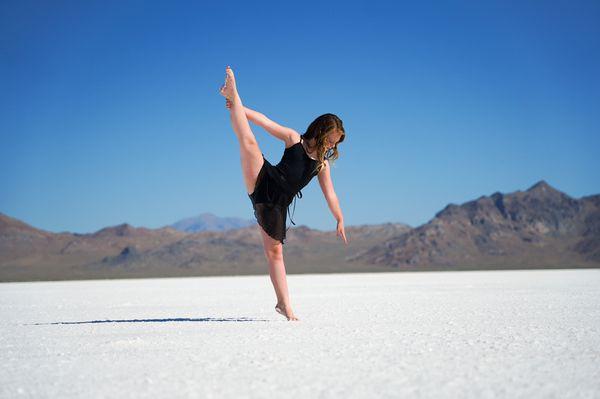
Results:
<point x="283" y="133"/>
<point x="332" y="199"/>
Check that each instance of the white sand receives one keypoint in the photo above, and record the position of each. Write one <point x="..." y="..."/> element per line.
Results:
<point x="454" y="334"/>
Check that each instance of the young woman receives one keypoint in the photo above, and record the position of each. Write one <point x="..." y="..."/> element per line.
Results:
<point x="272" y="188"/>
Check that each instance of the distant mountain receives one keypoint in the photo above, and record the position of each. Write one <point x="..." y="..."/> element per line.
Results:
<point x="28" y="253"/>
<point x="241" y="252"/>
<point x="210" y="222"/>
<point x="124" y="251"/>
<point x="539" y="227"/>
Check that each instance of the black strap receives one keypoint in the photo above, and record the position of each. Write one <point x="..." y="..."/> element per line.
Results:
<point x="298" y="195"/>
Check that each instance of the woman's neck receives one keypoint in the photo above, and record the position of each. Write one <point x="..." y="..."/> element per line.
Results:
<point x="309" y="145"/>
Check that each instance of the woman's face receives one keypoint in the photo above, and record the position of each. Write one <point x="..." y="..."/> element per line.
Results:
<point x="333" y="138"/>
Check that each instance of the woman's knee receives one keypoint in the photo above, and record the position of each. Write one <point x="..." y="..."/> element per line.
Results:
<point x="274" y="252"/>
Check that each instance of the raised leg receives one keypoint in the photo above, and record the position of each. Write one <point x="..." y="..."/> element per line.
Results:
<point x="250" y="153"/>
<point x="274" y="254"/>
<point x="252" y="162"/>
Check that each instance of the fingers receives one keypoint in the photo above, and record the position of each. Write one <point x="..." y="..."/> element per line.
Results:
<point x="342" y="234"/>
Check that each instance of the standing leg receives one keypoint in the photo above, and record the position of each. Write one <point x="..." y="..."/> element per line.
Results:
<point x="274" y="254"/>
<point x="250" y="154"/>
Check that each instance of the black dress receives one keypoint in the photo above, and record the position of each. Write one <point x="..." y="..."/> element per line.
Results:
<point x="276" y="187"/>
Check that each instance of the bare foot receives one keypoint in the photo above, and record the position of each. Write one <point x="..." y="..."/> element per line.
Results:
<point x="289" y="314"/>
<point x="229" y="89"/>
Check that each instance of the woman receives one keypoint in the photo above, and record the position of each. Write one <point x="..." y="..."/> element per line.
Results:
<point x="272" y="188"/>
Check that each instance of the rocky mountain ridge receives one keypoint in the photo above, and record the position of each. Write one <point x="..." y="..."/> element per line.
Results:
<point x="540" y="225"/>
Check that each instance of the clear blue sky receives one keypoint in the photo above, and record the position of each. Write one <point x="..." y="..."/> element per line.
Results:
<point x="110" y="111"/>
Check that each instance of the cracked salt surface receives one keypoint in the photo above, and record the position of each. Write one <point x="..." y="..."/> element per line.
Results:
<point x="433" y="334"/>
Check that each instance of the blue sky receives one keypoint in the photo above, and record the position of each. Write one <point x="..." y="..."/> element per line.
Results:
<point x="110" y="111"/>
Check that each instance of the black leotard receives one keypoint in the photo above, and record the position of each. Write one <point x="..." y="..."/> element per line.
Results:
<point x="277" y="185"/>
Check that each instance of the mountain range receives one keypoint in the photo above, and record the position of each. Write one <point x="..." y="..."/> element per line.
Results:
<point x="541" y="227"/>
<point x="210" y="222"/>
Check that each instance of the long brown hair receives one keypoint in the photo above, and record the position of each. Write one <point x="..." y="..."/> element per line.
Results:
<point x="318" y="130"/>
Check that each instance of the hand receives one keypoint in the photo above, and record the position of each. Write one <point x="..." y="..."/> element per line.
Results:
<point x="340" y="231"/>
<point x="228" y="103"/>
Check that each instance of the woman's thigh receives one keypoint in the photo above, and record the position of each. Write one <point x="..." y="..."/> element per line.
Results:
<point x="252" y="160"/>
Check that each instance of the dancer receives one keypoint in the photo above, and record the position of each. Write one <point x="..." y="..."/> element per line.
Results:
<point x="272" y="188"/>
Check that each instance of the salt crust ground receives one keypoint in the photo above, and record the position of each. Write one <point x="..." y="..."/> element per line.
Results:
<point x="511" y="334"/>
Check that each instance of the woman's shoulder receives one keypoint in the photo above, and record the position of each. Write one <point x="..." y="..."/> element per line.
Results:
<point x="293" y="139"/>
